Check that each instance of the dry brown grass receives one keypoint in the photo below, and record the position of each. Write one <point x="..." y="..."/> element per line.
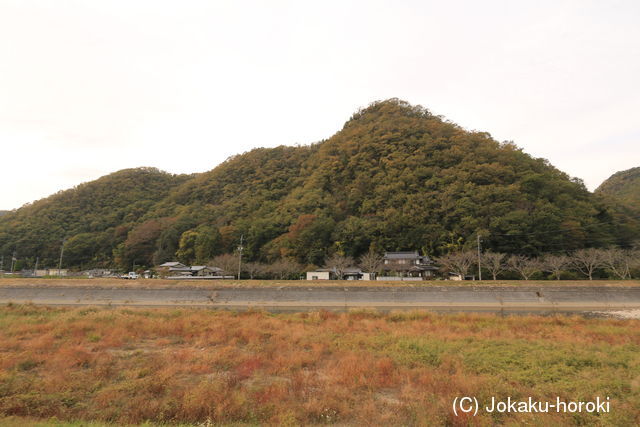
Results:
<point x="189" y="366"/>
<point x="165" y="283"/>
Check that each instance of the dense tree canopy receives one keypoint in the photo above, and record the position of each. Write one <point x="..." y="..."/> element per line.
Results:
<point x="395" y="177"/>
<point x="625" y="186"/>
<point x="93" y="218"/>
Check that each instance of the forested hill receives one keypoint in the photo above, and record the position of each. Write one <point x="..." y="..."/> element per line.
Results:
<point x="625" y="186"/>
<point x="4" y="212"/>
<point x="93" y="217"/>
<point x="395" y="177"/>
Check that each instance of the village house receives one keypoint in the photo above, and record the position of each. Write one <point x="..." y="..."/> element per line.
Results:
<point x="322" y="274"/>
<point x="170" y="267"/>
<point x="177" y="270"/>
<point x="407" y="265"/>
<point x="351" y="273"/>
<point x="204" y="271"/>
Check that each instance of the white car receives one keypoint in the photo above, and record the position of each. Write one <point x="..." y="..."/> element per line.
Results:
<point x="131" y="275"/>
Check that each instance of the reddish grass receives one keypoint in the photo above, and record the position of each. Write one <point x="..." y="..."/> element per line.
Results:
<point x="190" y="366"/>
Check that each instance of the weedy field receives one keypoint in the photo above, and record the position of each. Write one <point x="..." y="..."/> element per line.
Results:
<point x="131" y="366"/>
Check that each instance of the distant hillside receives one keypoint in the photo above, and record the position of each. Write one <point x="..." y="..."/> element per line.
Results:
<point x="395" y="177"/>
<point x="625" y="186"/>
<point x="94" y="217"/>
<point x="4" y="212"/>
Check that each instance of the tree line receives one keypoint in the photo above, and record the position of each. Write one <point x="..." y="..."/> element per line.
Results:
<point x="611" y="263"/>
<point x="588" y="263"/>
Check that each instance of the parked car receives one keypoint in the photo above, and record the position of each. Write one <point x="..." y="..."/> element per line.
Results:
<point x="131" y="275"/>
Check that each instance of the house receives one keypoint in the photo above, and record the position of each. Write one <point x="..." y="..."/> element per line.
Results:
<point x="353" y="273"/>
<point x="322" y="274"/>
<point x="180" y="270"/>
<point x="176" y="270"/>
<point x="204" y="271"/>
<point x="169" y="268"/>
<point x="407" y="265"/>
<point x="171" y="264"/>
<point x="350" y="273"/>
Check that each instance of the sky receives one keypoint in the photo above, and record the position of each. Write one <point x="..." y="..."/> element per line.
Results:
<point x="91" y="87"/>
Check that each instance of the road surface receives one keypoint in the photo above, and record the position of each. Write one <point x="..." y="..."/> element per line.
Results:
<point x="297" y="298"/>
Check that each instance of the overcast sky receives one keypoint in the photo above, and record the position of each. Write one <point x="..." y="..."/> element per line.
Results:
<point x="91" y="87"/>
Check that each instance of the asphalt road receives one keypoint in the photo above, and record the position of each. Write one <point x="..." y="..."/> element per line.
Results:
<point x="437" y="298"/>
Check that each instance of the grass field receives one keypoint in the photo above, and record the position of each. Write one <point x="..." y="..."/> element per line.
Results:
<point x="165" y="283"/>
<point x="129" y="366"/>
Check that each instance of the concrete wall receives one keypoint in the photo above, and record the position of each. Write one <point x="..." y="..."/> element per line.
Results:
<point x="443" y="298"/>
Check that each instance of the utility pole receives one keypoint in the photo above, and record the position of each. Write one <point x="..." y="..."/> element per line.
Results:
<point x="479" y="257"/>
<point x="35" y="270"/>
<point x="1" y="262"/>
<point x="61" y="253"/>
<point x="240" y="249"/>
<point x="13" y="261"/>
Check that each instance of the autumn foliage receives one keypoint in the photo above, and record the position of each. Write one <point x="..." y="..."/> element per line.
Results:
<point x="196" y="366"/>
<point x="395" y="177"/>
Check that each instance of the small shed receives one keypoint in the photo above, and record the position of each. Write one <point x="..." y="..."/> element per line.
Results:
<point x="321" y="274"/>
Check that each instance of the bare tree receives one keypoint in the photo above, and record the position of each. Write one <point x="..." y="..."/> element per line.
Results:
<point x="227" y="262"/>
<point x="370" y="262"/>
<point x="556" y="264"/>
<point x="458" y="262"/>
<point x="586" y="261"/>
<point x="253" y="269"/>
<point x="285" y="268"/>
<point x="619" y="261"/>
<point x="494" y="262"/>
<point x="525" y="266"/>
<point x="338" y="263"/>
<point x="635" y="258"/>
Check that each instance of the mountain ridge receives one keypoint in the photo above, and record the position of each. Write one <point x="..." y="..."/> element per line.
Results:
<point x="624" y="186"/>
<point x="394" y="177"/>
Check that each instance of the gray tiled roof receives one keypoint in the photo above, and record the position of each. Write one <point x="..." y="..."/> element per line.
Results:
<point x="402" y="255"/>
<point x="171" y="264"/>
<point x="202" y="267"/>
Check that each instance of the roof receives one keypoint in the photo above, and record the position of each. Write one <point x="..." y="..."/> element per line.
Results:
<point x="202" y="267"/>
<point x="424" y="262"/>
<point x="402" y="255"/>
<point x="172" y="264"/>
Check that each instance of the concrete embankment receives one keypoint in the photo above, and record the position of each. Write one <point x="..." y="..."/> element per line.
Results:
<point x="289" y="298"/>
